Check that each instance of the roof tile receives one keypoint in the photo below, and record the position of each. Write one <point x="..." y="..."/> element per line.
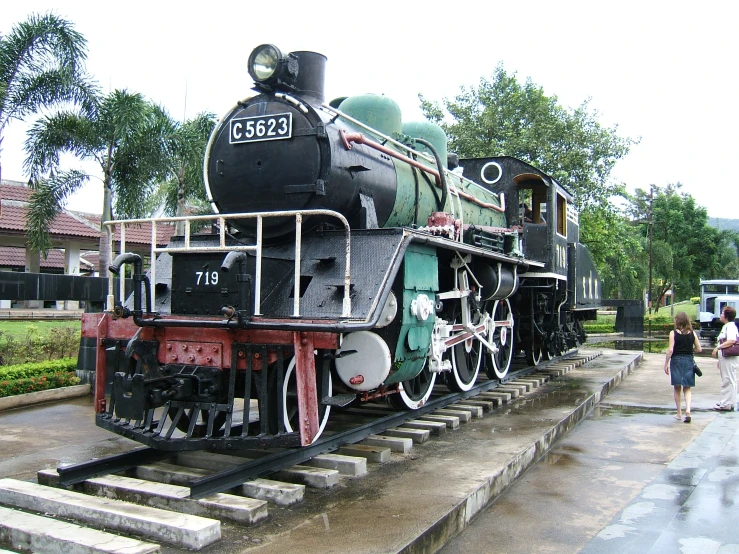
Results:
<point x="69" y="223"/>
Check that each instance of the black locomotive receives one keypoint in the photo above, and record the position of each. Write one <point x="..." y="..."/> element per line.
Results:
<point x="347" y="261"/>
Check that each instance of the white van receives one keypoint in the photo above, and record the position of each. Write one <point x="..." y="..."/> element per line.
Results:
<point x="715" y="294"/>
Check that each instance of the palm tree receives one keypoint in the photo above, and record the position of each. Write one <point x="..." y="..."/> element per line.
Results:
<point x="183" y="147"/>
<point x="41" y="64"/>
<point x="120" y="133"/>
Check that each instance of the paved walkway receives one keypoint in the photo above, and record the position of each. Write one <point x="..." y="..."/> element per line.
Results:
<point x="690" y="507"/>
<point x="627" y="479"/>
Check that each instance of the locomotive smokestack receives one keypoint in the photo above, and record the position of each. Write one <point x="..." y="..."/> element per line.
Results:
<point x="311" y="74"/>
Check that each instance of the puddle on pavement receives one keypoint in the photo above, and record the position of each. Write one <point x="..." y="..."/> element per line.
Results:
<point x="559" y="459"/>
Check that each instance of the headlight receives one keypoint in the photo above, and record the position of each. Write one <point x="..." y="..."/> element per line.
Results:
<point x="264" y="62"/>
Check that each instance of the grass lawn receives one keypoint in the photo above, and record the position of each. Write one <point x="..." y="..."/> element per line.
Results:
<point x="35" y="341"/>
<point x="664" y="318"/>
<point x="18" y="329"/>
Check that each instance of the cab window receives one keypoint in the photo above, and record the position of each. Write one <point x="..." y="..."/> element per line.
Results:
<point x="561" y="215"/>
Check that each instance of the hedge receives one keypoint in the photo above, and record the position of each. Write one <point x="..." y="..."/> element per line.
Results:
<point x="37" y="369"/>
<point x="33" y="384"/>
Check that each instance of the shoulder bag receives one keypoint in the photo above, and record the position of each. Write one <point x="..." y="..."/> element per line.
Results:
<point x="732" y="350"/>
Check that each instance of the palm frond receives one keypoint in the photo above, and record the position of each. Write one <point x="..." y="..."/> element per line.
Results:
<point x="121" y="113"/>
<point x="47" y="201"/>
<point x="57" y="133"/>
<point x="38" y="42"/>
<point x="32" y="92"/>
<point x="44" y="50"/>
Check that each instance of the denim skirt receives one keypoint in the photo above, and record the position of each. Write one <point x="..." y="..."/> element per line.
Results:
<point x="681" y="370"/>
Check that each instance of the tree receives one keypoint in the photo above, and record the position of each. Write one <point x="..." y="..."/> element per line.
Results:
<point x="503" y="117"/>
<point x="120" y="133"/>
<point x="183" y="150"/>
<point x="616" y="244"/>
<point x="684" y="247"/>
<point x="41" y="64"/>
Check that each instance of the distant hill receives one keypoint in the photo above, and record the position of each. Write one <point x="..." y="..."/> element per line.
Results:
<point x="722" y="223"/>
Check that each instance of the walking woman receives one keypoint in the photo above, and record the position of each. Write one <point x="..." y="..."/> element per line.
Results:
<point x="679" y="362"/>
<point x="727" y="364"/>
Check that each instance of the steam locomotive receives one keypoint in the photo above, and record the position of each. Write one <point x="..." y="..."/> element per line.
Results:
<point x="350" y="258"/>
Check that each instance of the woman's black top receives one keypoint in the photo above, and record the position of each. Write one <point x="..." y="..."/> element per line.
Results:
<point x="683" y="343"/>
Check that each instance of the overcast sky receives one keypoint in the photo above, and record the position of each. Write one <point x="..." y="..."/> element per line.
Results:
<point x="665" y="72"/>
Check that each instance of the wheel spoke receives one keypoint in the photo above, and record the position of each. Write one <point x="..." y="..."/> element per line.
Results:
<point x="414" y="392"/>
<point x="466" y="359"/>
<point x="502" y="337"/>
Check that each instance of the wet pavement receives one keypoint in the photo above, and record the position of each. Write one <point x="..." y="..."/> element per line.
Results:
<point x="628" y="479"/>
<point x="51" y="434"/>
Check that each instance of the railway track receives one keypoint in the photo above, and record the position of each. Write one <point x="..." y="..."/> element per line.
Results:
<point x="139" y="492"/>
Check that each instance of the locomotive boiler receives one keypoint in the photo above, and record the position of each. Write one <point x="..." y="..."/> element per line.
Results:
<point x="347" y="260"/>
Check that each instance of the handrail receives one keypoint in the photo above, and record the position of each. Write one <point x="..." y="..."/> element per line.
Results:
<point x="348" y="138"/>
<point x="256" y="248"/>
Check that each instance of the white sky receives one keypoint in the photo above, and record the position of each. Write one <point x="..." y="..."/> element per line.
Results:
<point x="662" y="71"/>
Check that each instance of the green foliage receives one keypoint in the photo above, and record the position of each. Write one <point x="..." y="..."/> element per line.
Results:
<point x="32" y="377"/>
<point x="182" y="154"/>
<point x="46" y="203"/>
<point x="599" y="327"/>
<point x="34" y="346"/>
<point x="695" y="299"/>
<point x="34" y="384"/>
<point x="119" y="132"/>
<point x="685" y="249"/>
<point x="41" y="65"/>
<point x="504" y="117"/>
<point x="617" y="249"/>
<point x="35" y="369"/>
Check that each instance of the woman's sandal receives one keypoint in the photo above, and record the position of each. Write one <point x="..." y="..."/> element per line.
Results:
<point x="677" y="417"/>
<point x="687" y="418"/>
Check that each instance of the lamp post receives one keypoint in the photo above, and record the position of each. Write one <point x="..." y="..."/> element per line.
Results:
<point x="651" y="235"/>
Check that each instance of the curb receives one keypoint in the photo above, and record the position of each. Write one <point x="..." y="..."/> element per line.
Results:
<point x="453" y="522"/>
<point x="39" y="397"/>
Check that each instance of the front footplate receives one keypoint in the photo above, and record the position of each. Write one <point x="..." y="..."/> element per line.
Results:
<point x="136" y="431"/>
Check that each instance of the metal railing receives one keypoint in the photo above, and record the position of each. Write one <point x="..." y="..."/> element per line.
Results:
<point x="222" y="221"/>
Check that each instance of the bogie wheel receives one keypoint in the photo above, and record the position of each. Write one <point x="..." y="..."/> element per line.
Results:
<point x="415" y="392"/>
<point x="534" y="353"/>
<point x="502" y="337"/>
<point x="548" y="347"/>
<point x="324" y="387"/>
<point x="466" y="361"/>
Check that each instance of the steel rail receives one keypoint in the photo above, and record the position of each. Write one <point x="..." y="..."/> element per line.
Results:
<point x="253" y="469"/>
<point x="260" y="467"/>
<point x="76" y="473"/>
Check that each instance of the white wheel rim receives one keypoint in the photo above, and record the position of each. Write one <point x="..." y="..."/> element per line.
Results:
<point x="536" y="355"/>
<point x="477" y="363"/>
<point x="503" y="338"/>
<point x="415" y="404"/>
<point x="286" y="417"/>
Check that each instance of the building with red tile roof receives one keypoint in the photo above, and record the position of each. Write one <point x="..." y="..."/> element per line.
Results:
<point x="71" y="234"/>
<point x="14" y="259"/>
<point x="70" y="229"/>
